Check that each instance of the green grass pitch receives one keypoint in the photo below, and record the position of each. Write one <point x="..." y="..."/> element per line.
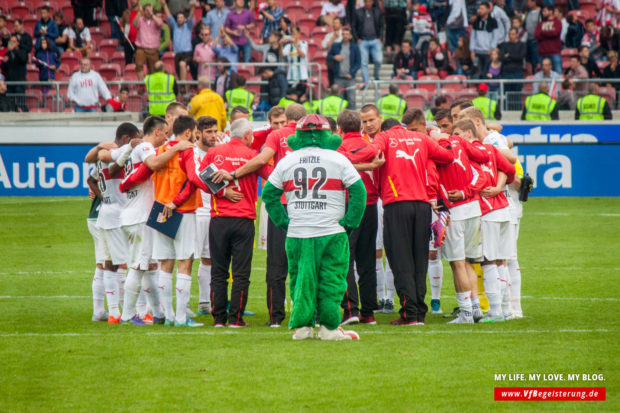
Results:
<point x="53" y="358"/>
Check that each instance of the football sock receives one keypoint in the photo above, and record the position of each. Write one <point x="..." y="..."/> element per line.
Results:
<point x="435" y="273"/>
<point x="515" y="286"/>
<point x="149" y="288"/>
<point x="380" y="279"/>
<point x="110" y="282"/>
<point x="464" y="301"/>
<point x="475" y="306"/>
<point x="492" y="288"/>
<point x="505" y="288"/>
<point x="183" y="287"/>
<point x="165" y="294"/>
<point x="122" y="276"/>
<point x="98" y="292"/>
<point x="204" y="283"/>
<point x="389" y="282"/>
<point x="141" y="302"/>
<point x="132" y="288"/>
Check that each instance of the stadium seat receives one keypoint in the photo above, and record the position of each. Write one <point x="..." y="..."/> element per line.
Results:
<point x="39" y="110"/>
<point x="295" y="13"/>
<point x="61" y="76"/>
<point x="608" y="93"/>
<point x="315" y="10"/>
<point x="32" y="74"/>
<point x="108" y="46"/>
<point x="64" y="68"/>
<point x="566" y="54"/>
<point x="428" y="86"/>
<point x="135" y="103"/>
<point x="21" y="10"/>
<point x="33" y="101"/>
<point x="30" y="23"/>
<point x="168" y="58"/>
<point x="602" y="64"/>
<point x="404" y="87"/>
<point x="96" y="35"/>
<point x="313" y="48"/>
<point x="470" y="93"/>
<point x="67" y="12"/>
<point x="118" y="57"/>
<point x="307" y="23"/>
<point x="104" y="27"/>
<point x="415" y="99"/>
<point x="319" y="33"/>
<point x="454" y="86"/>
<point x="245" y="71"/>
<point x="51" y="4"/>
<point x="70" y="59"/>
<point x="110" y="71"/>
<point x="98" y="58"/>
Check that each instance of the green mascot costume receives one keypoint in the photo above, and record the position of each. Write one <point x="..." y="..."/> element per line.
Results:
<point x="315" y="180"/>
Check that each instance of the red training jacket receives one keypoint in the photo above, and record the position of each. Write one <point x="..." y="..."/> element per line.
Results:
<point x="489" y="171"/>
<point x="357" y="150"/>
<point x="403" y="177"/>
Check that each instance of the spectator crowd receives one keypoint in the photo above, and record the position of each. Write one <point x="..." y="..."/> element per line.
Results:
<point x="553" y="41"/>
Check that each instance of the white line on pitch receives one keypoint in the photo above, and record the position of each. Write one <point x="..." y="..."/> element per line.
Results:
<point x="391" y="331"/>
<point x="568" y="214"/>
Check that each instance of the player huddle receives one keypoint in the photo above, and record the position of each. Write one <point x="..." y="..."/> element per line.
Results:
<point x="460" y="176"/>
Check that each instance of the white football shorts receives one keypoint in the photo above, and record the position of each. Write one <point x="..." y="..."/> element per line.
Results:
<point x="182" y="247"/>
<point x="140" y="239"/>
<point x="462" y="240"/>
<point x="202" y="236"/>
<point x="496" y="240"/>
<point x="96" y="232"/>
<point x="116" y="245"/>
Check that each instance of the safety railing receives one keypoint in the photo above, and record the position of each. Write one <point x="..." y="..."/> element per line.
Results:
<point x="52" y="96"/>
<point x="510" y="93"/>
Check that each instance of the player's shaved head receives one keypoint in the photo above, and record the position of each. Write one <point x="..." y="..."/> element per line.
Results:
<point x="239" y="112"/>
<point x="182" y="124"/>
<point x="413" y="115"/>
<point x="294" y="112"/>
<point x="389" y="124"/>
<point x="126" y="131"/>
<point x="349" y="121"/>
<point x="370" y="108"/>
<point x="152" y="123"/>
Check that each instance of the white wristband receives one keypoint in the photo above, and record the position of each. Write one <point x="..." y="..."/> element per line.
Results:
<point x="124" y="156"/>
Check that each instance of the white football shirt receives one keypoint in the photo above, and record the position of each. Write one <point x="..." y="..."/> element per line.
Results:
<point x="113" y="199"/>
<point x="141" y="197"/>
<point x="314" y="182"/>
<point x="205" y="210"/>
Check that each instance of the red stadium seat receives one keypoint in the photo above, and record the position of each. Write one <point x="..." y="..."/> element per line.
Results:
<point x="104" y="27"/>
<point x="168" y="57"/>
<point x="118" y="57"/>
<point x="608" y="93"/>
<point x="96" y="35"/>
<point x="64" y="68"/>
<point x="470" y="94"/>
<point x="404" y="87"/>
<point x="21" y="10"/>
<point x="295" y="13"/>
<point x="51" y="4"/>
<point x="415" y="99"/>
<point x="455" y="86"/>
<point x="110" y="71"/>
<point x="428" y="86"/>
<point x="307" y="23"/>
<point x="97" y="59"/>
<point x="33" y="101"/>
<point x="70" y="58"/>
<point x="315" y="10"/>
<point x="30" y="23"/>
<point x="136" y="103"/>
<point x="61" y="76"/>
<point x="108" y="46"/>
<point x="67" y="12"/>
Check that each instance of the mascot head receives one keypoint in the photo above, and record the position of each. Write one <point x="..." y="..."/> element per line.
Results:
<point x="314" y="130"/>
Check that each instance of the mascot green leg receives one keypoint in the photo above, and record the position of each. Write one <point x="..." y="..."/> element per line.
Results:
<point x="318" y="268"/>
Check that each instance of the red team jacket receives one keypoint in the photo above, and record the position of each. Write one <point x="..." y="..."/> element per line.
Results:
<point x="358" y="150"/>
<point x="231" y="156"/>
<point x="406" y="155"/>
<point x="277" y="141"/>
<point x="489" y="170"/>
<point x="458" y="175"/>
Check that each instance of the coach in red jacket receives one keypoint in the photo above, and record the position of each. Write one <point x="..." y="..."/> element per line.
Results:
<point x="407" y="213"/>
<point x="231" y="234"/>
<point x="362" y="241"/>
